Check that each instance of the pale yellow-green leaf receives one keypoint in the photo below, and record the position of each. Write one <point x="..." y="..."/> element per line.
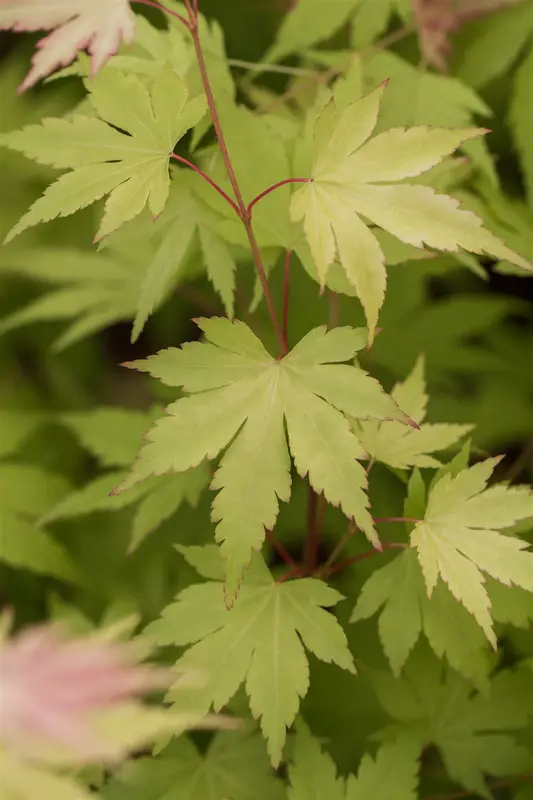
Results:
<point x="407" y="447"/>
<point x="354" y="173"/>
<point x="260" y="643"/>
<point x="131" y="167"/>
<point x="459" y="539"/>
<point x="242" y="397"/>
<point x="20" y="780"/>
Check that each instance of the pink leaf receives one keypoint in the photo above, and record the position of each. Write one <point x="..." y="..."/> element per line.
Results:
<point x="50" y="686"/>
<point x="99" y="26"/>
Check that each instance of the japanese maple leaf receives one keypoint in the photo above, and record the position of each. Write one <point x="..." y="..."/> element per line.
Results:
<point x="132" y="167"/>
<point x="353" y="178"/>
<point x="402" y="447"/>
<point x="459" y="540"/>
<point x="242" y="397"/>
<point x="260" y="643"/>
<point x="96" y="25"/>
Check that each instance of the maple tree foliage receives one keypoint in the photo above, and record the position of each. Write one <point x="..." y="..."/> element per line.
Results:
<point x="100" y="26"/>
<point x="254" y="394"/>
<point x="325" y="560"/>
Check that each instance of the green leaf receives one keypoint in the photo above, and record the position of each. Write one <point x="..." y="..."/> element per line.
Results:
<point x="521" y="112"/>
<point x="502" y="34"/>
<point x="472" y="730"/>
<point x="186" y="218"/>
<point x="24" y="546"/>
<point x="95" y="496"/>
<point x="94" y="290"/>
<point x="402" y="448"/>
<point x="258" y="642"/>
<point x="240" y="396"/>
<point x="235" y="765"/>
<point x="29" y="490"/>
<point x="459" y="538"/>
<point x="15" y="428"/>
<point x="312" y="772"/>
<point x="407" y="611"/>
<point x="510" y="605"/>
<point x="371" y="20"/>
<point x="112" y="435"/>
<point x="131" y="167"/>
<point x="352" y="176"/>
<point x="392" y="773"/>
<point x="306" y="25"/>
<point x="418" y="97"/>
<point x="24" y="781"/>
<point x="165" y="499"/>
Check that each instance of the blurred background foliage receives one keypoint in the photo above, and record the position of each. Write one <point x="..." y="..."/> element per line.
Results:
<point x="474" y="325"/>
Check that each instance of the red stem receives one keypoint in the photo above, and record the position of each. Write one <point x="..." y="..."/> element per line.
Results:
<point x="313" y="532"/>
<point x="286" y="297"/>
<point x="164" y="9"/>
<point x="292" y="573"/>
<point x="208" y="179"/>
<point x="273" y="188"/>
<point x="355" y="559"/>
<point x="243" y="211"/>
<point x="285" y="555"/>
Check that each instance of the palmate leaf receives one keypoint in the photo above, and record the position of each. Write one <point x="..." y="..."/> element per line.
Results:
<point x="113" y="436"/>
<point x="186" y="223"/>
<point x="472" y="730"/>
<point x="393" y="773"/>
<point x="132" y="167"/>
<point x="305" y="25"/>
<point x="24" y="781"/>
<point x="406" y="611"/>
<point x="240" y="396"/>
<point x="100" y="26"/>
<point x="404" y="447"/>
<point x="26" y="492"/>
<point x="353" y="177"/>
<point x="235" y="765"/>
<point x="521" y="114"/>
<point x="459" y="540"/>
<point x="90" y="290"/>
<point x="419" y="97"/>
<point x="258" y="642"/>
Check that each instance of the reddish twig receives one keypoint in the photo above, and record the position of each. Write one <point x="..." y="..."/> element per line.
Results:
<point x="208" y="179"/>
<point x="243" y="211"/>
<point x="313" y="531"/>
<point x="164" y="9"/>
<point x="273" y="188"/>
<point x="292" y="573"/>
<point x="282" y="552"/>
<point x="362" y="556"/>
<point x="286" y="297"/>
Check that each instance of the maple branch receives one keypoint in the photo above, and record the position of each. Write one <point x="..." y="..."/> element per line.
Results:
<point x="244" y="215"/>
<point x="260" y="66"/>
<point x="272" y="188"/>
<point x="292" y="573"/>
<point x="315" y="519"/>
<point x="282" y="552"/>
<point x="286" y="297"/>
<point x="334" y="309"/>
<point x="164" y="9"/>
<point x="208" y="179"/>
<point x="362" y="556"/>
